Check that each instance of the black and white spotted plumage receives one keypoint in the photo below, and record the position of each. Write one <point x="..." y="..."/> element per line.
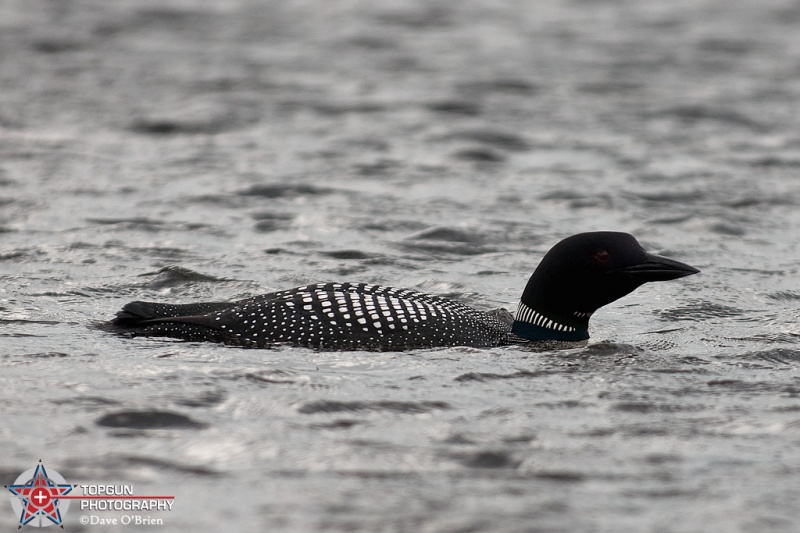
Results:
<point x="576" y="277"/>
<point x="333" y="316"/>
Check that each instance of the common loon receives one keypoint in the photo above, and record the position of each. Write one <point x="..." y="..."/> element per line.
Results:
<point x="576" y="277"/>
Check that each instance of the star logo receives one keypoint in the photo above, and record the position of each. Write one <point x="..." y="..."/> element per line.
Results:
<point x="36" y="497"/>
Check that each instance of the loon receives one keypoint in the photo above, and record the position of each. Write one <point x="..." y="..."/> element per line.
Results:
<point x="576" y="277"/>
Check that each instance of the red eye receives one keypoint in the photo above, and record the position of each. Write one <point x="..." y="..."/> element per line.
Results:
<point x="602" y="256"/>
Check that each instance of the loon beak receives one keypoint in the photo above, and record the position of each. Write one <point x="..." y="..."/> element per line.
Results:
<point x="657" y="268"/>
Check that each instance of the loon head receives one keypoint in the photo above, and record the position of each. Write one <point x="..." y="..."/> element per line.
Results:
<point x="581" y="274"/>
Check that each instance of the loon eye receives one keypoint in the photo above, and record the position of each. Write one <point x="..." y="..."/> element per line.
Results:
<point x="602" y="256"/>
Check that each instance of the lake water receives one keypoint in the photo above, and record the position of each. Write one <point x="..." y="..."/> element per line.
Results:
<point x="193" y="150"/>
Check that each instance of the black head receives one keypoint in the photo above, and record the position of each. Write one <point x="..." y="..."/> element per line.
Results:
<point x="582" y="273"/>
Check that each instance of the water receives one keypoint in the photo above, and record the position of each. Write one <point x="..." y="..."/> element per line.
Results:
<point x="433" y="145"/>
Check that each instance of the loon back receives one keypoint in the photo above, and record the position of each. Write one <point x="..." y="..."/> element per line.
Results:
<point x="332" y="316"/>
<point x="576" y="277"/>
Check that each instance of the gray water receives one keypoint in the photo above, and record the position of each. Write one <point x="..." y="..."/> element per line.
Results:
<point x="210" y="150"/>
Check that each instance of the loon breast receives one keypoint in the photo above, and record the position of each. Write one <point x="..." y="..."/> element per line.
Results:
<point x="337" y="316"/>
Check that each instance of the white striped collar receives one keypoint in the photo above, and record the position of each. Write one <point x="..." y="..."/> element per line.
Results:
<point x="531" y="316"/>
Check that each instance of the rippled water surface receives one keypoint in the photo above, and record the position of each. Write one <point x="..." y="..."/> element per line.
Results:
<point x="190" y="150"/>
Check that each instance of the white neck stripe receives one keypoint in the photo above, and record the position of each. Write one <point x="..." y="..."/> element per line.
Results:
<point x="530" y="316"/>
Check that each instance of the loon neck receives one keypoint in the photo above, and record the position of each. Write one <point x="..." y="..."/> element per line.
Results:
<point x="536" y="325"/>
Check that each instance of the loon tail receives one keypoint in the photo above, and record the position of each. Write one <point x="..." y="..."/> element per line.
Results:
<point x="141" y="314"/>
<point x="190" y="322"/>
